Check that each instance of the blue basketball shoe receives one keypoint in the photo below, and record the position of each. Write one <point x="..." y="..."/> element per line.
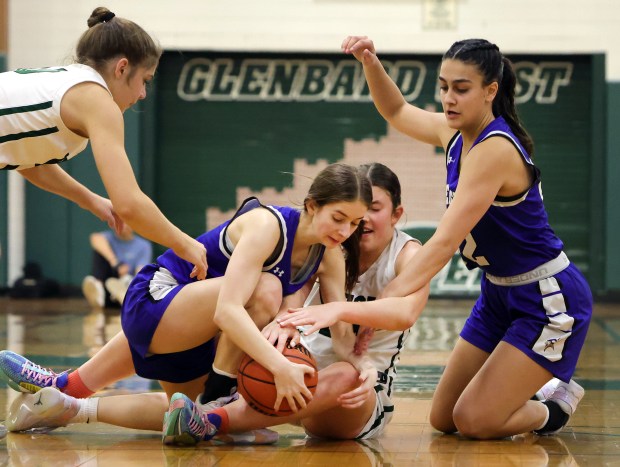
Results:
<point x="25" y="376"/>
<point x="185" y="425"/>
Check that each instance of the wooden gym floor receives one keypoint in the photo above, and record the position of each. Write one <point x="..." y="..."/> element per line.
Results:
<point x="63" y="333"/>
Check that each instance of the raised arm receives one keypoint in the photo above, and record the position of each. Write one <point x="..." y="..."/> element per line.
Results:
<point x="429" y="127"/>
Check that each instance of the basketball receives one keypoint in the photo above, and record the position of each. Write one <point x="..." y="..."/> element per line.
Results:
<point x="255" y="383"/>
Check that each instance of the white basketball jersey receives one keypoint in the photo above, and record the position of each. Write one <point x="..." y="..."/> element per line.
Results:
<point x="31" y="130"/>
<point x="385" y="346"/>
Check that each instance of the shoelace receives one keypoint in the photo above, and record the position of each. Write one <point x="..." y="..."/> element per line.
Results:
<point x="565" y="395"/>
<point x="222" y="401"/>
<point x="199" y="424"/>
<point x="36" y="374"/>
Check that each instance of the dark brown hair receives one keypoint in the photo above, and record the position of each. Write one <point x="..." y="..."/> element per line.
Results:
<point x="494" y="67"/>
<point x="341" y="182"/>
<point x="382" y="176"/>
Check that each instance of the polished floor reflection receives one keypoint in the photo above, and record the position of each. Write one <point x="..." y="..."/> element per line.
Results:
<point x="63" y="333"/>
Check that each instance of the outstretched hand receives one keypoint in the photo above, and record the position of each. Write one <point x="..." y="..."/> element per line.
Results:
<point x="280" y="336"/>
<point x="194" y="252"/>
<point x="315" y="316"/>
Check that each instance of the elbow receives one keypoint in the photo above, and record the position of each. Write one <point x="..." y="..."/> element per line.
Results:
<point x="419" y="301"/>
<point x="127" y="209"/>
<point x="409" y="322"/>
<point x="393" y="111"/>
<point x="218" y="318"/>
<point x="222" y="318"/>
<point x="392" y="114"/>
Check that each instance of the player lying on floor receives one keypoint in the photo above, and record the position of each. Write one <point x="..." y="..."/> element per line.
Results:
<point x="170" y="324"/>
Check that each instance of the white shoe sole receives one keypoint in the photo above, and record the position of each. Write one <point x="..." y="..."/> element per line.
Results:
<point x="30" y="411"/>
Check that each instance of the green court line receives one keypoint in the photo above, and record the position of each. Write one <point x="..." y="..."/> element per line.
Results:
<point x="424" y="378"/>
<point x="607" y="328"/>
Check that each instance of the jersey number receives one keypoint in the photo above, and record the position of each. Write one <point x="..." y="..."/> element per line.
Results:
<point x="468" y="251"/>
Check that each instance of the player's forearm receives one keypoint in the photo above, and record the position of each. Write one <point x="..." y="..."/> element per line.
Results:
<point x="55" y="180"/>
<point x="392" y="313"/>
<point x="419" y="271"/>
<point x="145" y="218"/>
<point x="385" y="93"/>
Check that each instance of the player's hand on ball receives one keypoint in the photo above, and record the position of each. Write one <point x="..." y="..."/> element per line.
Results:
<point x="292" y="387"/>
<point x="285" y="394"/>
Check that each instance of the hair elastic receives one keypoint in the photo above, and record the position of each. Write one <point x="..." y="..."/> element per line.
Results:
<point x="107" y="17"/>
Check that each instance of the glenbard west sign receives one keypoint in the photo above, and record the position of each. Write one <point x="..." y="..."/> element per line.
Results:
<point x="312" y="80"/>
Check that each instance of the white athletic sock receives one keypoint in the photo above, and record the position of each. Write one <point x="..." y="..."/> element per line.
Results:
<point x="546" y="419"/>
<point x="223" y="373"/>
<point x="88" y="410"/>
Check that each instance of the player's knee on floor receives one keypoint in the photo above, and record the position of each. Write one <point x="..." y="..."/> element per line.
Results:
<point x="476" y="422"/>
<point x="442" y="420"/>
